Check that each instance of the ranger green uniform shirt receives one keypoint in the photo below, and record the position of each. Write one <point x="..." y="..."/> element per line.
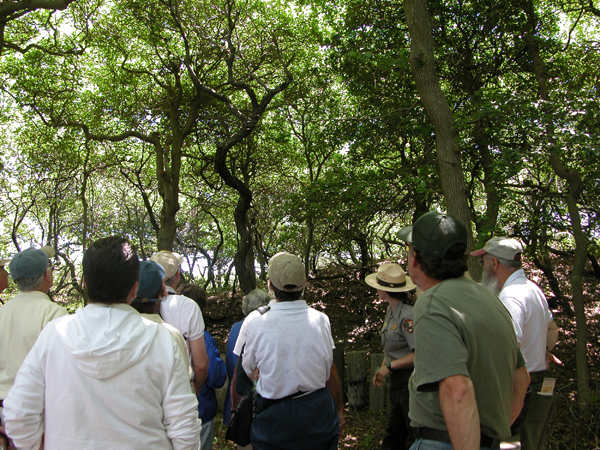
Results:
<point x="462" y="328"/>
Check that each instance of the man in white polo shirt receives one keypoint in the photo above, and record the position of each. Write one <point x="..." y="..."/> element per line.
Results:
<point x="289" y="349"/>
<point x="184" y="314"/>
<point x="536" y="331"/>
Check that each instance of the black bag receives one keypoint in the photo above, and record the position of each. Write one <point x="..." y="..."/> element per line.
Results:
<point x="243" y="384"/>
<point x="238" y="430"/>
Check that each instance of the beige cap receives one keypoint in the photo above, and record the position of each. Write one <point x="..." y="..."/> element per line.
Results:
<point x="286" y="272"/>
<point x="169" y="260"/>
<point x="501" y="247"/>
<point x="4" y="262"/>
<point x="48" y="250"/>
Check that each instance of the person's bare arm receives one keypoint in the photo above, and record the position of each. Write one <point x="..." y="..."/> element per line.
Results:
<point x="402" y="363"/>
<point x="552" y="335"/>
<point x="521" y="381"/>
<point x="235" y="397"/>
<point x="459" y="407"/>
<point x="199" y="362"/>
<point x="334" y="386"/>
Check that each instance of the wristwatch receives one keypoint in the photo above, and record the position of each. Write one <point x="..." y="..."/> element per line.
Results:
<point x="389" y="365"/>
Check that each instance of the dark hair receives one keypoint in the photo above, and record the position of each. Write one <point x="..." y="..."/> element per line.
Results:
<point x="442" y="268"/>
<point x="399" y="295"/>
<point x="146" y="308"/>
<point x="285" y="296"/>
<point x="110" y="269"/>
<point x="195" y="292"/>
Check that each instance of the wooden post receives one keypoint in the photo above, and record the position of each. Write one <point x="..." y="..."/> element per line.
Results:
<point x="377" y="395"/>
<point x="338" y="360"/>
<point x="221" y="392"/>
<point x="357" y="374"/>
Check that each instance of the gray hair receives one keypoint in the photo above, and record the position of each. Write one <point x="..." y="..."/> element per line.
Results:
<point x="509" y="263"/>
<point x="28" y="284"/>
<point x="254" y="300"/>
<point x="171" y="280"/>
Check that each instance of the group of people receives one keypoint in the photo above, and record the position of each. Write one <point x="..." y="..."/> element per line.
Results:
<point x="136" y="369"/>
<point x="467" y="366"/>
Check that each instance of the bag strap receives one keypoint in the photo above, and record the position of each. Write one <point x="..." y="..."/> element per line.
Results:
<point x="243" y="383"/>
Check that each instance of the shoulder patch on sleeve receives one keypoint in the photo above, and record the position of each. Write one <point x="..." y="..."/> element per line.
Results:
<point x="409" y="325"/>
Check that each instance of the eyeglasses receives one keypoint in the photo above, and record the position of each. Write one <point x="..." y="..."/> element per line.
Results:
<point x="481" y="261"/>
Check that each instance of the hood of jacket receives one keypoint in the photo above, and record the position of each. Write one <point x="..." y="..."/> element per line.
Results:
<point x="104" y="340"/>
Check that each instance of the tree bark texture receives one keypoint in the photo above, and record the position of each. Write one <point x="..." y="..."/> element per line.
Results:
<point x="575" y="186"/>
<point x="423" y="67"/>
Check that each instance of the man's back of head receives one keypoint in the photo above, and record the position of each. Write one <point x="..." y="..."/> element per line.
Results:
<point x="439" y="242"/>
<point x="110" y="269"/>
<point x="171" y="262"/>
<point x="287" y="276"/>
<point x="29" y="269"/>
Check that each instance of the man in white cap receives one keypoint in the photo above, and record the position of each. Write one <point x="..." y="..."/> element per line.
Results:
<point x="536" y="331"/>
<point x="289" y="349"/>
<point x="23" y="317"/>
<point x="184" y="314"/>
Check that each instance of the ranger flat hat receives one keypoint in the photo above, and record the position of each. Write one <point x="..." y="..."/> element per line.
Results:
<point x="391" y="278"/>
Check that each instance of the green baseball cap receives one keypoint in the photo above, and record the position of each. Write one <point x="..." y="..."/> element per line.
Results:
<point x="151" y="280"/>
<point x="435" y="233"/>
<point x="30" y="263"/>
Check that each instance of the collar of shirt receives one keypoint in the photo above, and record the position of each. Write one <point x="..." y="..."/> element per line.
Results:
<point x="520" y="273"/>
<point x="296" y="304"/>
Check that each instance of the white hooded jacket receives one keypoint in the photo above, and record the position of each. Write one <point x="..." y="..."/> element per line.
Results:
<point x="103" y="378"/>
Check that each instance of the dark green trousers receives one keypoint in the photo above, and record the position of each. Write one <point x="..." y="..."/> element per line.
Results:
<point x="398" y="434"/>
<point x="532" y="423"/>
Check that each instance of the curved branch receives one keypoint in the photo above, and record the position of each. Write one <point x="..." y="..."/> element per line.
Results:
<point x="23" y="7"/>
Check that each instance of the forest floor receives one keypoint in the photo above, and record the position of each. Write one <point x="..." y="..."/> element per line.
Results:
<point x="356" y="316"/>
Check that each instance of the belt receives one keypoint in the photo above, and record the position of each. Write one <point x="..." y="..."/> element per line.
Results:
<point x="442" y="435"/>
<point x="266" y="402"/>
<point x="538" y="377"/>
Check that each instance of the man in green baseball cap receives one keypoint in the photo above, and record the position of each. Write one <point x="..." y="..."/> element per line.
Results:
<point x="470" y="377"/>
<point x="23" y="317"/>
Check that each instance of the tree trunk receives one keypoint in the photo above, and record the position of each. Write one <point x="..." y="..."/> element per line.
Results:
<point x="422" y="63"/>
<point x="244" y="247"/>
<point x="575" y="183"/>
<point x="168" y="169"/>
<point x="581" y="244"/>
<point x="310" y="228"/>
